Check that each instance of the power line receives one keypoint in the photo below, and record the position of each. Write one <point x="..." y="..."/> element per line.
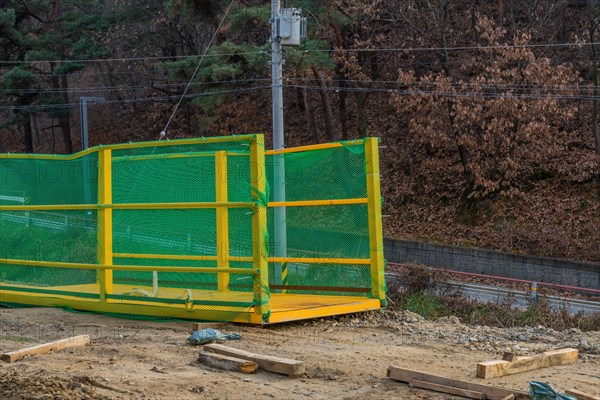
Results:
<point x="132" y="101"/>
<point x="115" y="88"/>
<point x="492" y="85"/>
<point x="397" y="91"/>
<point x="385" y="49"/>
<point x="490" y="47"/>
<point x="164" y="131"/>
<point x="130" y="59"/>
<point x="434" y="93"/>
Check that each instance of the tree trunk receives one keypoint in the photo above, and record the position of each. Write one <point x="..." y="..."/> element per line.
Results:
<point x="65" y="117"/>
<point x="592" y="28"/>
<point x="326" y="106"/>
<point x="562" y="25"/>
<point x="463" y="152"/>
<point x="501" y="12"/>
<point x="595" y="107"/>
<point x="309" y="114"/>
<point x="343" y="111"/>
<point x="60" y="85"/>
<point x="361" y="99"/>
<point x="27" y="132"/>
<point x="341" y="77"/>
<point x="300" y="98"/>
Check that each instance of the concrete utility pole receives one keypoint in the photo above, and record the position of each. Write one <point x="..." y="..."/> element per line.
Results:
<point x="83" y="102"/>
<point x="280" y="231"/>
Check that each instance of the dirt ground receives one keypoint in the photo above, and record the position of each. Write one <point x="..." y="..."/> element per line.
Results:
<point x="346" y="357"/>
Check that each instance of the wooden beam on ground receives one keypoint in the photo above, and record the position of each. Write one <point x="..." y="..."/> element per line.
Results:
<point x="491" y="392"/>
<point x="197" y="326"/>
<point x="275" y="364"/>
<point x="492" y="369"/>
<point x="511" y="397"/>
<point x="469" y="394"/>
<point x="228" y="363"/>
<point x="75" y="341"/>
<point x="579" y="395"/>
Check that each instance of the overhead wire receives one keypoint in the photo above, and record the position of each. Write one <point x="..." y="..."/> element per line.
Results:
<point x="127" y="59"/>
<point x="123" y="88"/>
<point x="459" y="48"/>
<point x="438" y="93"/>
<point x="139" y="100"/>
<point x="586" y="87"/>
<point x="163" y="133"/>
<point x="383" y="49"/>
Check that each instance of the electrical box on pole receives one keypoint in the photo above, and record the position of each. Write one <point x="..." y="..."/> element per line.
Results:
<point x="291" y="26"/>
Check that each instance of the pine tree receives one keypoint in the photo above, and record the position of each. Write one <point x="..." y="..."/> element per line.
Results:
<point x="41" y="41"/>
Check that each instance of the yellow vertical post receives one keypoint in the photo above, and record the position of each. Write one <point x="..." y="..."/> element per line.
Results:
<point x="259" y="227"/>
<point x="105" y="243"/>
<point x="378" y="287"/>
<point x="222" y="220"/>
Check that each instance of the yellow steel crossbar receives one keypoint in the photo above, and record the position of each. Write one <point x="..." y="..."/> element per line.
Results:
<point x="138" y="268"/>
<point x="129" y="206"/>
<point x="321" y="146"/>
<point x="321" y="260"/>
<point x="305" y="203"/>
<point x="189" y="205"/>
<point x="170" y="257"/>
<point x="137" y="145"/>
<point x="176" y="155"/>
<point x="315" y="260"/>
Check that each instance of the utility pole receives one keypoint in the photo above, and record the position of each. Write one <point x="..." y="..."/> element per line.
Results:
<point x="280" y="226"/>
<point x="83" y="102"/>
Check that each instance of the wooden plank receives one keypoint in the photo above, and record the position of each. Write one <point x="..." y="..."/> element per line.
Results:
<point x="198" y="326"/>
<point x="469" y="394"/>
<point x="491" y="392"/>
<point x="511" y="397"/>
<point x="275" y="364"/>
<point x="75" y="341"/>
<point x="579" y="395"/>
<point x="228" y="363"/>
<point x="492" y="369"/>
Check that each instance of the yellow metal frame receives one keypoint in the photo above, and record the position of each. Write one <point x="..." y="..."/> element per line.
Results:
<point x="105" y="239"/>
<point x="266" y="307"/>
<point x="258" y="181"/>
<point x="375" y="225"/>
<point x="222" y="219"/>
<point x="137" y="145"/>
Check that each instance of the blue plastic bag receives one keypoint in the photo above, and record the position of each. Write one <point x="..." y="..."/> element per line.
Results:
<point x="543" y="391"/>
<point x="208" y="335"/>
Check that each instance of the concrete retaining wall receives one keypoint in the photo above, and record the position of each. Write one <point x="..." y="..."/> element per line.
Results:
<point x="539" y="269"/>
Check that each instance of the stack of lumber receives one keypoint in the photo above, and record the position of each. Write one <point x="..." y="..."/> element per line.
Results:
<point x="511" y="364"/>
<point x="232" y="359"/>
<point x="579" y="395"/>
<point x="456" y="387"/>
<point x="75" y="341"/>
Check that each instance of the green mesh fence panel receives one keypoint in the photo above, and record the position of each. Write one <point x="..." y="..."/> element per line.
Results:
<point x="60" y="236"/>
<point x="190" y="239"/>
<point x="340" y="231"/>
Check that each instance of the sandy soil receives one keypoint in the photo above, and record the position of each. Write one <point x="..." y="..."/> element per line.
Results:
<point x="346" y="358"/>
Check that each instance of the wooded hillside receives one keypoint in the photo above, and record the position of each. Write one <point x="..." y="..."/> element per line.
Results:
<point x="487" y="109"/>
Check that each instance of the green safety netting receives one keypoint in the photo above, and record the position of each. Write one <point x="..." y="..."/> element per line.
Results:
<point x="180" y="173"/>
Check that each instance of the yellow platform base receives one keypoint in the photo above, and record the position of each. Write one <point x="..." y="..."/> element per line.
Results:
<point x="199" y="305"/>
